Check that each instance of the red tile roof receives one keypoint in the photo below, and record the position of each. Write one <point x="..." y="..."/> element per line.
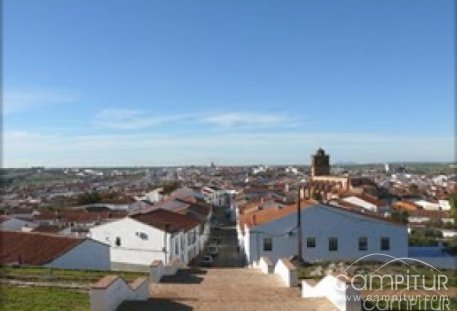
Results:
<point x="166" y="220"/>
<point x="33" y="248"/>
<point x="270" y="214"/>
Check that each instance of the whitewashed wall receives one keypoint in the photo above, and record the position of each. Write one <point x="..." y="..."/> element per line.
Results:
<point x="133" y="249"/>
<point x="88" y="254"/>
<point x="265" y="265"/>
<point x="286" y="272"/>
<point x="323" y="222"/>
<point x="109" y="298"/>
<point x="157" y="245"/>
<point x="337" y="291"/>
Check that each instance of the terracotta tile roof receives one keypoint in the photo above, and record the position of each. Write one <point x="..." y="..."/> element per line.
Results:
<point x="197" y="210"/>
<point x="407" y="205"/>
<point x="33" y="248"/>
<point x="80" y="216"/>
<point x="166" y="220"/>
<point x="268" y="215"/>
<point x="427" y="213"/>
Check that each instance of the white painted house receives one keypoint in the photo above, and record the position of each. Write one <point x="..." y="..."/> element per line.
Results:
<point x="328" y="233"/>
<point x="155" y="235"/>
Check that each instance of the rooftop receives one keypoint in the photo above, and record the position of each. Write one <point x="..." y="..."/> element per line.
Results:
<point x="33" y="248"/>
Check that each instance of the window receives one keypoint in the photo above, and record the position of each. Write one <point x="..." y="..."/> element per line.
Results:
<point x="142" y="235"/>
<point x="118" y="241"/>
<point x="176" y="247"/>
<point x="385" y="244"/>
<point x="333" y="244"/>
<point x="363" y="243"/>
<point x="267" y="244"/>
<point x="310" y="242"/>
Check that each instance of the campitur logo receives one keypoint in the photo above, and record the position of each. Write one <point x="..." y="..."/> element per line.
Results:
<point x="397" y="284"/>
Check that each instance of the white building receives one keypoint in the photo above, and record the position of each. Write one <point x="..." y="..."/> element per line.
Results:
<point x="153" y="196"/>
<point x="328" y="233"/>
<point x="366" y="202"/>
<point x="155" y="235"/>
<point x="429" y="206"/>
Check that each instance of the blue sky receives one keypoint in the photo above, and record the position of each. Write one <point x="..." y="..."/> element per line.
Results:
<point x="98" y="82"/>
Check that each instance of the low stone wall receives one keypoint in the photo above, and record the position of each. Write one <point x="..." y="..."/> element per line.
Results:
<point x="110" y="291"/>
<point x="157" y="270"/>
<point x="265" y="265"/>
<point x="173" y="267"/>
<point x="287" y="272"/>
<point x="337" y="289"/>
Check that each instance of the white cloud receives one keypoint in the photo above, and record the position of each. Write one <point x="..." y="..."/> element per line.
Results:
<point x="49" y="149"/>
<point x="127" y="119"/>
<point x="19" y="101"/>
<point x="250" y="119"/>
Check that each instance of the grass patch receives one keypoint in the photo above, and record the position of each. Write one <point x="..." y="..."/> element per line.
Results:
<point x="39" y="274"/>
<point x="15" y="298"/>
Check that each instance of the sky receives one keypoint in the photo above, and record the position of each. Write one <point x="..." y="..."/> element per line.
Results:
<point x="149" y="82"/>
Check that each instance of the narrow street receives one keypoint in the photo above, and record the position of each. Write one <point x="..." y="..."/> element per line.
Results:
<point x="229" y="254"/>
<point x="225" y="237"/>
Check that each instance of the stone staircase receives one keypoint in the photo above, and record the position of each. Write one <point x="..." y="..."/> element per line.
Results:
<point x="234" y="289"/>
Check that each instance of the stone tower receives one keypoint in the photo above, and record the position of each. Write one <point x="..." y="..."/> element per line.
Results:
<point x="320" y="163"/>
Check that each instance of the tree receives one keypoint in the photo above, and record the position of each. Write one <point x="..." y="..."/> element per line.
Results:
<point x="453" y="203"/>
<point x="400" y="216"/>
<point x="89" y="198"/>
<point x="169" y="187"/>
<point x="413" y="189"/>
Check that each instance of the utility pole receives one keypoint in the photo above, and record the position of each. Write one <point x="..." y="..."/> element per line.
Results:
<point x="299" y="237"/>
